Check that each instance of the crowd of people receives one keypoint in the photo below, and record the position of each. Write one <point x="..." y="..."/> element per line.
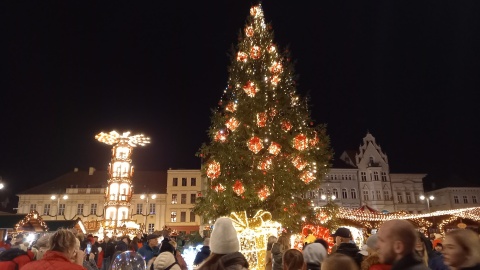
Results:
<point x="396" y="246"/>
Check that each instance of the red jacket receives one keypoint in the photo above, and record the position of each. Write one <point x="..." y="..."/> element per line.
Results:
<point x="53" y="260"/>
<point x="19" y="261"/>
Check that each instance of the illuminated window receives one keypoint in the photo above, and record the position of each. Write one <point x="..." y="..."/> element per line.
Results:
<point x="455" y="199"/>
<point x="353" y="193"/>
<point x="193" y="198"/>
<point x="80" y="209"/>
<point x="61" y="209"/>
<point x="93" y="209"/>
<point x="192" y="217"/>
<point x="174" y="198"/>
<point x="184" y="182"/>
<point x="152" y="209"/>
<point x="151" y="228"/>
<point x="183" y="216"/>
<point x="173" y="216"/>
<point x="33" y="207"/>
<point x="344" y="193"/>
<point x="46" y="209"/>
<point x="363" y="176"/>
<point x="193" y="181"/>
<point x="139" y="208"/>
<point x="175" y="181"/>
<point x="183" y="199"/>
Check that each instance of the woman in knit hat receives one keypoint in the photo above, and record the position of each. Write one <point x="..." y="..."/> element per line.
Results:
<point x="314" y="254"/>
<point x="225" y="247"/>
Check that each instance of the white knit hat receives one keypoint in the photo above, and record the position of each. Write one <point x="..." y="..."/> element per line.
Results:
<point x="224" y="238"/>
<point x="314" y="253"/>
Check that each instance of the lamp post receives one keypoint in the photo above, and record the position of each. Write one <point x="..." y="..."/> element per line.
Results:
<point x="328" y="197"/>
<point x="146" y="198"/>
<point x="54" y="197"/>
<point x="428" y="199"/>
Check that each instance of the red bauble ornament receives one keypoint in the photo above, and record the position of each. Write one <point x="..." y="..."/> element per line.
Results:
<point x="221" y="136"/>
<point x="249" y="31"/>
<point x="265" y="164"/>
<point x="238" y="187"/>
<point x="255" y="52"/>
<point x="286" y="125"/>
<point x="213" y="169"/>
<point x="271" y="48"/>
<point x="218" y="188"/>
<point x="261" y="119"/>
<point x="231" y="107"/>
<point x="250" y="89"/>
<point x="274" y="148"/>
<point x="300" y="142"/>
<point x="255" y="144"/>
<point x="276" y="67"/>
<point x="299" y="163"/>
<point x="263" y="193"/>
<point x="232" y="124"/>
<point x="242" y="57"/>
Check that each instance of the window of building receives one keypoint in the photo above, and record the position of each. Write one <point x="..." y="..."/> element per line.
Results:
<point x="173" y="216"/>
<point x="192" y="217"/>
<point x="33" y="207"/>
<point x="353" y="193"/>
<point x="386" y="195"/>
<point x="409" y="197"/>
<point x="151" y="228"/>
<point x="80" y="209"/>
<point x="384" y="177"/>
<point x="175" y="182"/>
<point x="184" y="182"/>
<point x="61" y="209"/>
<point x="152" y="209"/>
<point x="183" y="216"/>
<point x="455" y="199"/>
<point x="193" y="181"/>
<point x="183" y="199"/>
<point x="474" y="199"/>
<point x="375" y="176"/>
<point x="311" y="194"/>
<point x="363" y="176"/>
<point x="193" y="198"/>
<point x="465" y="199"/>
<point x="335" y="192"/>
<point x="399" y="197"/>
<point x="321" y="192"/>
<point x="174" y="198"/>
<point x="379" y="195"/>
<point x="93" y="209"/>
<point x="371" y="160"/>
<point x="46" y="209"/>
<point x="344" y="193"/>
<point x="365" y="195"/>
<point x="139" y="208"/>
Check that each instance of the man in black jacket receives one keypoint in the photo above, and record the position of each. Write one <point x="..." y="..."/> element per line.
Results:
<point x="345" y="245"/>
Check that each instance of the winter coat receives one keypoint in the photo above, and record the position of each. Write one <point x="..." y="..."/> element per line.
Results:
<point x="232" y="261"/>
<point x="351" y="250"/>
<point x="409" y="262"/>
<point x="268" y="260"/>
<point x="277" y="255"/>
<point x="202" y="255"/>
<point x="372" y="262"/>
<point x="164" y="260"/>
<point x="148" y="253"/>
<point x="53" y="260"/>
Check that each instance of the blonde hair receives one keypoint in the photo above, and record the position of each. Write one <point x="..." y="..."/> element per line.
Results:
<point x="293" y="260"/>
<point x="469" y="242"/>
<point x="284" y="243"/>
<point x="339" y="261"/>
<point x="63" y="241"/>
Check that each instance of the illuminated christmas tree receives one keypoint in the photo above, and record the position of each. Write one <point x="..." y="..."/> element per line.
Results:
<point x="264" y="152"/>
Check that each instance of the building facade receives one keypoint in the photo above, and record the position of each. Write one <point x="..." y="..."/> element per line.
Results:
<point x="453" y="198"/>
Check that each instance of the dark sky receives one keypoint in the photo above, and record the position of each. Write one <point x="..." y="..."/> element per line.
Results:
<point x="407" y="71"/>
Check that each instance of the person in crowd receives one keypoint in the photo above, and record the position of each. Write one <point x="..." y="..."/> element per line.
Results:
<point x="339" y="261"/>
<point x="323" y="242"/>
<point x="438" y="248"/>
<point x="203" y="253"/>
<point x="134" y="244"/>
<point x="18" y="242"/>
<point x="314" y="254"/>
<point x="423" y="248"/>
<point x="166" y="258"/>
<point x="178" y="256"/>
<point x="63" y="254"/>
<point x="371" y="260"/>
<point x="461" y="250"/>
<point x="150" y="250"/>
<point x="42" y="245"/>
<point x="345" y="245"/>
<point x="108" y="247"/>
<point x="396" y="245"/>
<point x="225" y="248"/>
<point x="89" y="263"/>
<point x="293" y="260"/>
<point x="268" y="255"/>
<point x="278" y="249"/>
<point x="7" y="244"/>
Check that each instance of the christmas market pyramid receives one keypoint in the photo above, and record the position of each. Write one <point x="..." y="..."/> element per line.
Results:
<point x="265" y="152"/>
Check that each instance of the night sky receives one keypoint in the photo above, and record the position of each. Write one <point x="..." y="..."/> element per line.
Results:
<point x="406" y="71"/>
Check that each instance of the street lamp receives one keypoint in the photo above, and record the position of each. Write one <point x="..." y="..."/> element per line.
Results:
<point x="146" y="198"/>
<point x="330" y="197"/>
<point x="58" y="203"/>
<point x="428" y="199"/>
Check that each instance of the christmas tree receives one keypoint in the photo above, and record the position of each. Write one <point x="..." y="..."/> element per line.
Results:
<point x="264" y="152"/>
